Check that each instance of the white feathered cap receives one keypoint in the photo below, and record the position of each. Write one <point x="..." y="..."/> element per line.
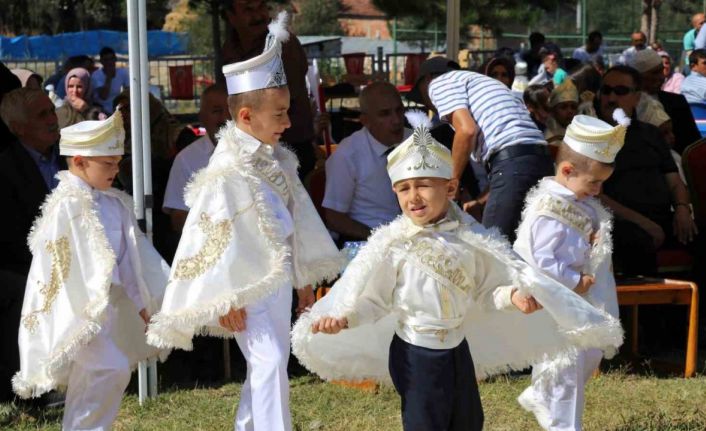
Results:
<point x="264" y="71"/>
<point x="94" y="138"/>
<point x="420" y="155"/>
<point x="595" y="138"/>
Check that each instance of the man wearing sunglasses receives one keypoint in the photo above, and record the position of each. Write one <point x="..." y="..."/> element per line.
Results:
<point x="650" y="202"/>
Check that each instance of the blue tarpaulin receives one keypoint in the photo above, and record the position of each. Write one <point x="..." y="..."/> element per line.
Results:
<point x="61" y="46"/>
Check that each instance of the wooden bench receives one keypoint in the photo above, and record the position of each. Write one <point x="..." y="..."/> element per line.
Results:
<point x="655" y="291"/>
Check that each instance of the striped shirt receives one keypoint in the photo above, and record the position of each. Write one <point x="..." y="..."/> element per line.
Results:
<point x="503" y="120"/>
<point x="694" y="88"/>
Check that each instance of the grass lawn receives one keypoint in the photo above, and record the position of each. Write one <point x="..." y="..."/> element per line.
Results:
<point x="615" y="401"/>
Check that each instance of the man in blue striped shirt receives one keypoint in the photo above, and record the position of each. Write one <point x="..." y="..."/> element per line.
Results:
<point x="493" y="127"/>
<point x="694" y="86"/>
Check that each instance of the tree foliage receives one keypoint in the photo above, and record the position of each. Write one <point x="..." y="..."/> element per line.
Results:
<point x="318" y="17"/>
<point x="58" y="16"/>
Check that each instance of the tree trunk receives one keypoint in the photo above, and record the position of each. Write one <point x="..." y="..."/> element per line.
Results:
<point x="646" y="18"/>
<point x="654" y="24"/>
<point x="217" y="46"/>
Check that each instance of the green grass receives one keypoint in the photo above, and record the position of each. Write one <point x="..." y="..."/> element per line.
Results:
<point x="615" y="402"/>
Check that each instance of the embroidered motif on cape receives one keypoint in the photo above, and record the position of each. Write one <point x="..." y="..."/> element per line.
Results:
<point x="218" y="235"/>
<point x="60" y="265"/>
<point x="272" y="173"/>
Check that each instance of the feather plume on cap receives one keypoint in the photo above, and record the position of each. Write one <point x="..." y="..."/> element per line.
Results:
<point x="621" y="118"/>
<point x="278" y="29"/>
<point x="417" y="119"/>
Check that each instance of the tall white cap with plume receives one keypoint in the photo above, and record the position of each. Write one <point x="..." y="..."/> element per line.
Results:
<point x="265" y="70"/>
<point x="420" y="155"/>
<point x="595" y="138"/>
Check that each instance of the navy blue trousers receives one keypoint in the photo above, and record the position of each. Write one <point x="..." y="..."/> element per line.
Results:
<point x="438" y="387"/>
<point x="510" y="180"/>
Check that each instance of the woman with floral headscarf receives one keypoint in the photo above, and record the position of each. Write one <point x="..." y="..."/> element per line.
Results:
<point x="77" y="105"/>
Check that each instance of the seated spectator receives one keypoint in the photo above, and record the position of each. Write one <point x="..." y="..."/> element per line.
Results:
<point x="672" y="79"/>
<point x="694" y="86"/>
<point x="359" y="196"/>
<point x="649" y="64"/>
<point x="563" y="105"/>
<point x="638" y="42"/>
<point x="592" y="50"/>
<point x="500" y="68"/>
<point x="8" y="82"/>
<point x="649" y="200"/>
<point x="77" y="105"/>
<point x="27" y="174"/>
<point x="108" y="81"/>
<point x="689" y="41"/>
<point x="58" y="78"/>
<point x="213" y="114"/>
<point x="536" y="98"/>
<point x="28" y="78"/>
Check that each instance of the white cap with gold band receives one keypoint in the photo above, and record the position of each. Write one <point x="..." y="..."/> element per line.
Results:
<point x="595" y="138"/>
<point x="94" y="138"/>
<point x="265" y="70"/>
<point x="420" y="155"/>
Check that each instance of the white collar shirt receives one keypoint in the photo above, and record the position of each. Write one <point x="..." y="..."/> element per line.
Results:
<point x="189" y="161"/>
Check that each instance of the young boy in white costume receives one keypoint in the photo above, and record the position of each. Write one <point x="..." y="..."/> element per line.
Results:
<point x="439" y="285"/>
<point x="94" y="281"/>
<point x="252" y="232"/>
<point x="566" y="233"/>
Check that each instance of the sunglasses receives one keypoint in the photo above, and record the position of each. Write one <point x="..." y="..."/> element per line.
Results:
<point x="619" y="90"/>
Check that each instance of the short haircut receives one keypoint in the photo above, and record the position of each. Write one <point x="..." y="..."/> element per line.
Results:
<point x="536" y="96"/>
<point x="14" y="104"/>
<point x="213" y="88"/>
<point x="696" y="55"/>
<point x="249" y="99"/>
<point x="595" y="35"/>
<point x="374" y="89"/>
<point x="626" y="70"/>
<point x="536" y="38"/>
<point x="579" y="161"/>
<point x="106" y="50"/>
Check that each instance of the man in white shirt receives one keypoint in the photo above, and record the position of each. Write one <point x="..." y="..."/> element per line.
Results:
<point x="592" y="50"/>
<point x="108" y="81"/>
<point x="359" y="194"/>
<point x="213" y="114"/>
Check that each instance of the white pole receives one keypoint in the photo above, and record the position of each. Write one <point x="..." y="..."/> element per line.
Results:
<point x="453" y="15"/>
<point x="133" y="29"/>
<point x="147" y="199"/>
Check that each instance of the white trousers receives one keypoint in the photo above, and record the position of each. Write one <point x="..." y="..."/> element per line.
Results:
<point x="99" y="375"/>
<point x="264" y="399"/>
<point x="558" y="403"/>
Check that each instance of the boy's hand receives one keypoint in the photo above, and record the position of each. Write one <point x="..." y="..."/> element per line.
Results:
<point x="329" y="325"/>
<point x="145" y="317"/>
<point x="306" y="299"/>
<point x="584" y="284"/>
<point x="526" y="304"/>
<point x="234" y="321"/>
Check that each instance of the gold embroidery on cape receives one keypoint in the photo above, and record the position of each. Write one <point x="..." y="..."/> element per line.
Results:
<point x="565" y="212"/>
<point x="60" y="266"/>
<point x="218" y="235"/>
<point x="271" y="172"/>
<point x="439" y="261"/>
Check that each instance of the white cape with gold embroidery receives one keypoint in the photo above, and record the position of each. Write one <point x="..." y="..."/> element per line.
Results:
<point x="233" y="250"/>
<point x="499" y="340"/>
<point x="69" y="288"/>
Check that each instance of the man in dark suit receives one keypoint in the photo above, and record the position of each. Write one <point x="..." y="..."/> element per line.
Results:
<point x="8" y="82"/>
<point x="27" y="169"/>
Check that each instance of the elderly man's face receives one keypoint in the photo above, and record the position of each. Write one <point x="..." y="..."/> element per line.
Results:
<point x="385" y="118"/>
<point x="214" y="112"/>
<point x="638" y="40"/>
<point x="653" y="79"/>
<point x="40" y="130"/>
<point x="618" y="91"/>
<point x="698" y="20"/>
<point x="249" y="16"/>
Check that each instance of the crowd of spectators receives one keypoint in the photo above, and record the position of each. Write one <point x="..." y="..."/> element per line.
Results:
<point x="646" y="193"/>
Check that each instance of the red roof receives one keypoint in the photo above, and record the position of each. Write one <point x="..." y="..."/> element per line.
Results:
<point x="361" y="8"/>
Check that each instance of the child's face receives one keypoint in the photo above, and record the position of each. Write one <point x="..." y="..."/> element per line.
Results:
<point x="564" y="112"/>
<point x="269" y="119"/>
<point x="584" y="183"/>
<point x="425" y="200"/>
<point x="97" y="172"/>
